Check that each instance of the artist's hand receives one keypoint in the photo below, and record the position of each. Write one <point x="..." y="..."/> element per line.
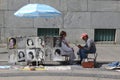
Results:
<point x="80" y="46"/>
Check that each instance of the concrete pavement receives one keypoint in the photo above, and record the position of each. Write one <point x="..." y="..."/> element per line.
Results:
<point x="75" y="73"/>
<point x="106" y="53"/>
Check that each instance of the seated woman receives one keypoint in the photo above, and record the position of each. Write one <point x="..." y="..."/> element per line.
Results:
<point x="65" y="48"/>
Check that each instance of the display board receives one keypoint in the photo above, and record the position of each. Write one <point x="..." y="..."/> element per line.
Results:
<point x="21" y="42"/>
<point x="48" y="41"/>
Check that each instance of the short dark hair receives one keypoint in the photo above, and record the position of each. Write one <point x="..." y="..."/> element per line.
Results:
<point x="31" y="53"/>
<point x="62" y="33"/>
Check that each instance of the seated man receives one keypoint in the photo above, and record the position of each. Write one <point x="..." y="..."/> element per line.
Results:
<point x="88" y="48"/>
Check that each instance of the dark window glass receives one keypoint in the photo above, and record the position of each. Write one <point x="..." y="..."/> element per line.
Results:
<point x="105" y="34"/>
<point x="48" y="32"/>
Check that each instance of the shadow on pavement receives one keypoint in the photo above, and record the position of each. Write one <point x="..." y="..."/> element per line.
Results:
<point x="100" y="64"/>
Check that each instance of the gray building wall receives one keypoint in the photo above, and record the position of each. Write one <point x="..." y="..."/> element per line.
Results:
<point x="78" y="16"/>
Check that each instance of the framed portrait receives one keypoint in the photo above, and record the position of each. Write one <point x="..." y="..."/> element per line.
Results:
<point x="30" y="42"/>
<point x="21" y="56"/>
<point x="11" y="43"/>
<point x="31" y="54"/>
<point x="39" y="42"/>
<point x="56" y="42"/>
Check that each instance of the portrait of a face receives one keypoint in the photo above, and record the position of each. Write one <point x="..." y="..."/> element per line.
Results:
<point x="30" y="42"/>
<point x="57" y="42"/>
<point x="21" y="56"/>
<point x="12" y="43"/>
<point x="40" y="41"/>
<point x="31" y="56"/>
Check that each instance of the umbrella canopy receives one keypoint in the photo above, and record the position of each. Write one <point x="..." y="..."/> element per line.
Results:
<point x="37" y="10"/>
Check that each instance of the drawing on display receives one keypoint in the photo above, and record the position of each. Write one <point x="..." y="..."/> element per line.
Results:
<point x="34" y="42"/>
<point x="56" y="42"/>
<point x="12" y="43"/>
<point x="21" y="55"/>
<point x="30" y="42"/>
<point x="40" y="42"/>
<point x="31" y="54"/>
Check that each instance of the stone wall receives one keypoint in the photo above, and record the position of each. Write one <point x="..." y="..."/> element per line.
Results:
<point x="77" y="16"/>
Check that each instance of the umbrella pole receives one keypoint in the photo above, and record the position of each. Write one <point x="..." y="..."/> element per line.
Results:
<point x="33" y="22"/>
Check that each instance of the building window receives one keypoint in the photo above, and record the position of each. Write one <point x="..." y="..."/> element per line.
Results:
<point x="105" y="35"/>
<point x="48" y="31"/>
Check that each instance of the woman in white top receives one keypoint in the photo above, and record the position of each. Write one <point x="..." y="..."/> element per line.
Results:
<point x="65" y="48"/>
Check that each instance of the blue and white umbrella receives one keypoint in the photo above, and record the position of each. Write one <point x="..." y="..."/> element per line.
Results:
<point x="37" y="10"/>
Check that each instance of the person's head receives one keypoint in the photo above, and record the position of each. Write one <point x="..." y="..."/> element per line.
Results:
<point x="63" y="34"/>
<point x="21" y="54"/>
<point x="84" y="36"/>
<point x="31" y="55"/>
<point x="30" y="42"/>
